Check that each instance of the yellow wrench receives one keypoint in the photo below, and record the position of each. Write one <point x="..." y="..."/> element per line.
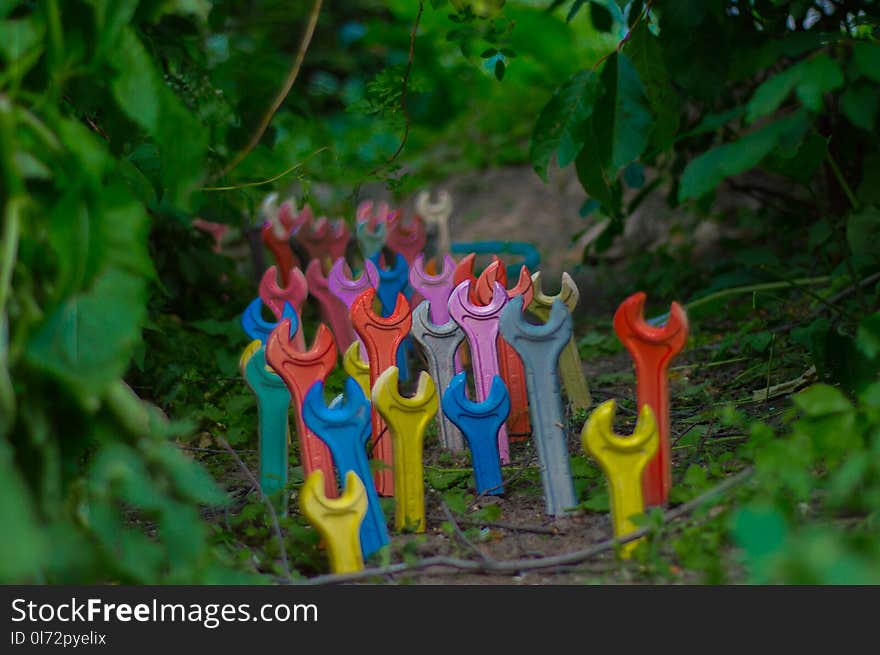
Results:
<point x="357" y="368"/>
<point x="623" y="459"/>
<point x="407" y="419"/>
<point x="338" y="520"/>
<point x="569" y="361"/>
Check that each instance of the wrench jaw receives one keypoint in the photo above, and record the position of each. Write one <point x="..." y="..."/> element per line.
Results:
<point x="541" y="302"/>
<point x="299" y="370"/>
<point x="392" y="281"/>
<point x="333" y="311"/>
<point x="652" y="349"/>
<point x="435" y="288"/>
<point x="407" y="240"/>
<point x="345" y="428"/>
<point x="623" y="460"/>
<point x="371" y="238"/>
<point x="439" y="343"/>
<point x="407" y="419"/>
<point x="479" y="423"/>
<point x="295" y="292"/>
<point x="337" y="520"/>
<point x="539" y="346"/>
<point x="346" y="288"/>
<point x="258" y="328"/>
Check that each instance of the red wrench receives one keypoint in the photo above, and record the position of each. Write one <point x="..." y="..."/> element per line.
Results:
<point x="465" y="271"/>
<point x="382" y="337"/>
<point x="652" y="348"/>
<point x="509" y="362"/>
<point x="300" y="370"/>
<point x="295" y="292"/>
<point x="324" y="238"/>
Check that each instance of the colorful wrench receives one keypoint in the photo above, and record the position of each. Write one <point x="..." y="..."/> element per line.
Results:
<point x="407" y="419"/>
<point x="382" y="337"/>
<point x="480" y="422"/>
<point x="273" y="399"/>
<point x="333" y="310"/>
<point x="256" y="327"/>
<point x="325" y="239"/>
<point x="338" y="520"/>
<point x="300" y="370"/>
<point x="439" y="344"/>
<point x="437" y="215"/>
<point x="573" y="380"/>
<point x="406" y="239"/>
<point x="434" y="288"/>
<point x="539" y="347"/>
<point x="345" y="428"/>
<point x="623" y="459"/>
<point x="357" y="368"/>
<point x="295" y="292"/>
<point x="480" y="325"/>
<point x="652" y="348"/>
<point x="393" y="281"/>
<point x="347" y="289"/>
<point x="510" y="364"/>
<point x="371" y="238"/>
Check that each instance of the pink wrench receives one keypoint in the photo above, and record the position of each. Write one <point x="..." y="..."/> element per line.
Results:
<point x="347" y="289"/>
<point x="480" y="325"/>
<point x="295" y="292"/>
<point x="333" y="310"/>
<point x="434" y="288"/>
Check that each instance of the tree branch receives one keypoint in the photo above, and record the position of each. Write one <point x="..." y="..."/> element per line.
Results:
<point x="282" y="94"/>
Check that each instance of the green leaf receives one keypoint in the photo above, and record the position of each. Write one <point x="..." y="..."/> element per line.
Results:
<point x="866" y="59"/>
<point x="190" y="479"/>
<point x="87" y="341"/>
<point x="621" y="116"/>
<point x="863" y="231"/>
<point x="559" y="128"/>
<point x="596" y="181"/>
<point x="137" y="85"/>
<point x="707" y="171"/>
<point x="868" y="335"/>
<point x="23" y="552"/>
<point x="645" y="51"/>
<point x="575" y="8"/>
<point x="821" y="400"/>
<point x="18" y="36"/>
<point x="760" y="530"/>
<point x="600" y="17"/>
<point x="859" y="104"/>
<point x="499" y="69"/>
<point x="809" y="79"/>
<point x="111" y="16"/>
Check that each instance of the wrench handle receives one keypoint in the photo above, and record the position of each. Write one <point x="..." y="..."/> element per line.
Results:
<point x="573" y="379"/>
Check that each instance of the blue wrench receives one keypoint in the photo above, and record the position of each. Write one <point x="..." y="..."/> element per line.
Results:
<point x="345" y="427"/>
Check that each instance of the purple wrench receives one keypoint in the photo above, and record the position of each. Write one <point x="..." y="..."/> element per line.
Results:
<point x="434" y="288"/>
<point x="480" y="325"/>
<point x="347" y="289"/>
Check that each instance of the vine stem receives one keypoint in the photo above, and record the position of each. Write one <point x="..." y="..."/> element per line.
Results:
<point x="275" y="524"/>
<point x="282" y="93"/>
<point x="403" y="92"/>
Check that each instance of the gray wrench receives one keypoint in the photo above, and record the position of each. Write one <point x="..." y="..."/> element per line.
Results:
<point x="439" y="343"/>
<point x="539" y="346"/>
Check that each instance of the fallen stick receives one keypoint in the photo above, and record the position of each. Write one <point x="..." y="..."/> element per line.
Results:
<point x="518" y="565"/>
